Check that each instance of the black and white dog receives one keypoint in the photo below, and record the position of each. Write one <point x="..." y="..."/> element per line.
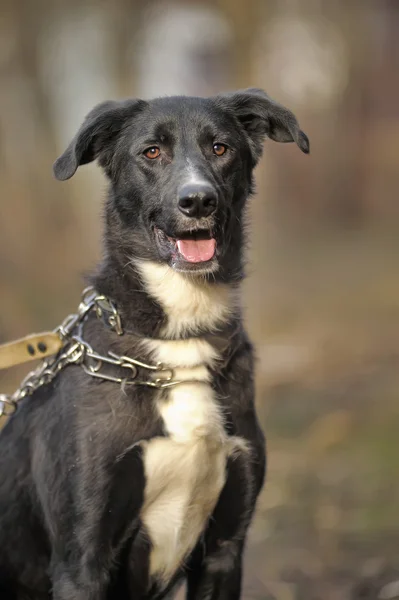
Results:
<point x="121" y="493"/>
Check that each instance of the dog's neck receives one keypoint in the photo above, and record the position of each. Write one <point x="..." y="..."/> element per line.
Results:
<point x="156" y="301"/>
<point x="191" y="305"/>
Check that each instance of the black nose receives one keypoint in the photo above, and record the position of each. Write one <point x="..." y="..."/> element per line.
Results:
<point x="197" y="200"/>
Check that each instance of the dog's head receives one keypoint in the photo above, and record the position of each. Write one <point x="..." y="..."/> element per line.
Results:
<point x="181" y="170"/>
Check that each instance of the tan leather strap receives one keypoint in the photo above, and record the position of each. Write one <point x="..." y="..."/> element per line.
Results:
<point x="31" y="347"/>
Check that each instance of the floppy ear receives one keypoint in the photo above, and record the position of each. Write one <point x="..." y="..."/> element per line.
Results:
<point x="262" y="117"/>
<point x="95" y="136"/>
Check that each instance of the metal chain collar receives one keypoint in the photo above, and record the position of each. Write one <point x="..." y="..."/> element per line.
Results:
<point x="76" y="351"/>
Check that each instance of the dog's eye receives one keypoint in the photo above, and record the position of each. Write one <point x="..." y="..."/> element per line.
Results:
<point x="152" y="152"/>
<point x="219" y="149"/>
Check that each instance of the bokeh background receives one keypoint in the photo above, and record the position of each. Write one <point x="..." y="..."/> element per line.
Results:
<point x="322" y="294"/>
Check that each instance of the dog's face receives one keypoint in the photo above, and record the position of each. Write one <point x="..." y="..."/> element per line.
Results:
<point x="181" y="171"/>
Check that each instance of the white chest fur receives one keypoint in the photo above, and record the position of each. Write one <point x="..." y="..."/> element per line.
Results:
<point x="186" y="470"/>
<point x="188" y="305"/>
<point x="185" y="474"/>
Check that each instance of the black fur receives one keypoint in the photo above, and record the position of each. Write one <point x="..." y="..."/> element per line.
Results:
<point x="71" y="479"/>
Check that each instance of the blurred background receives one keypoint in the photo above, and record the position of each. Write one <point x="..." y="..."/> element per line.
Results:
<point x="322" y="294"/>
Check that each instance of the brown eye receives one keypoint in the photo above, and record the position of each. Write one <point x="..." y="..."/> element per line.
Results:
<point x="152" y="152"/>
<point x="219" y="149"/>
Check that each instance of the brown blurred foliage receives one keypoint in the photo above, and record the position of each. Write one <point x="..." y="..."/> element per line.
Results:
<point x="322" y="296"/>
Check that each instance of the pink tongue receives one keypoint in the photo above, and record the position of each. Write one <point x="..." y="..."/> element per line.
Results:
<point x="196" y="250"/>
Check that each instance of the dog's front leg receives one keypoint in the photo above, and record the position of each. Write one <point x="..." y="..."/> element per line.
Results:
<point x="216" y="568"/>
<point x="215" y="571"/>
<point x="219" y="576"/>
<point x="105" y="518"/>
<point x="69" y="585"/>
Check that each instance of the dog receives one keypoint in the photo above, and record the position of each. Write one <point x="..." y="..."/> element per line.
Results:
<point x="111" y="491"/>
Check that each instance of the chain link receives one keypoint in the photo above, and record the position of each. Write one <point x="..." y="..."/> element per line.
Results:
<point x="78" y="352"/>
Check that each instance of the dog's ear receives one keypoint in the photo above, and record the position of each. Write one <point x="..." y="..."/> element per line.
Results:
<point x="262" y="117"/>
<point x="95" y="136"/>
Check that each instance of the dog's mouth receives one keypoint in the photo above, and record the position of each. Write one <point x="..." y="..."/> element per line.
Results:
<point x="191" y="250"/>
